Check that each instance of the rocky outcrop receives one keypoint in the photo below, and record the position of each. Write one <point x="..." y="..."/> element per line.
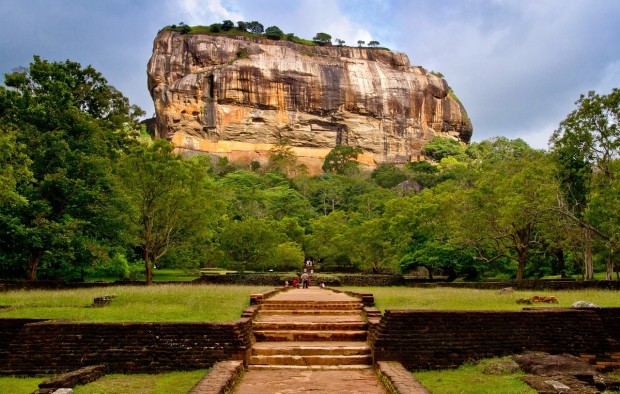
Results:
<point x="237" y="96"/>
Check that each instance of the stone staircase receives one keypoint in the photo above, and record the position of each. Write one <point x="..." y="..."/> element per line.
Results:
<point x="318" y="334"/>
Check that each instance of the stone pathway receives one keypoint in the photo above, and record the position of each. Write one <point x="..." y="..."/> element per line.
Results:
<point x="283" y="381"/>
<point x="314" y="340"/>
<point x="310" y="340"/>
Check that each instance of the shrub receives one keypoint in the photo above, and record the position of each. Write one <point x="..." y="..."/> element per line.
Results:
<point x="255" y="27"/>
<point x="227" y="25"/>
<point x="322" y="38"/>
<point x="273" y="33"/>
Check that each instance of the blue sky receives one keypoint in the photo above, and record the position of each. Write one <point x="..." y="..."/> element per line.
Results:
<point x="518" y="66"/>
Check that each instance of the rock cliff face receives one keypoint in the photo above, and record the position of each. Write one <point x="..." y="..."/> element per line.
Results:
<point x="237" y="96"/>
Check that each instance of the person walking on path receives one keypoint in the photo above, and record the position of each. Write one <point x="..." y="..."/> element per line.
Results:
<point x="305" y="280"/>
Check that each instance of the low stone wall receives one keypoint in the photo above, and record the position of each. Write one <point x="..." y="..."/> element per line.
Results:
<point x="54" y="346"/>
<point x="371" y="280"/>
<point x="429" y="339"/>
<point x="332" y="280"/>
<point x="551" y="284"/>
<point x="71" y="379"/>
<point x="241" y="279"/>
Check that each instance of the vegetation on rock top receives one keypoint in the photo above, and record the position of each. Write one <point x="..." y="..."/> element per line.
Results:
<point x="256" y="29"/>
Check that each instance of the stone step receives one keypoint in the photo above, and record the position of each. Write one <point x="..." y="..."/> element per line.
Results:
<point x="335" y="312"/>
<point x="311" y="360"/>
<point x="333" y="348"/>
<point x="310" y="335"/>
<point x="318" y="318"/>
<point x="308" y="325"/>
<point x="352" y="367"/>
<point x="297" y="305"/>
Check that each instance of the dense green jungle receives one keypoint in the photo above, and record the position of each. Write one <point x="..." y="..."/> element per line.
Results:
<point x="86" y="192"/>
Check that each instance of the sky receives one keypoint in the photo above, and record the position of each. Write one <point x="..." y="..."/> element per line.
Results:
<point x="518" y="66"/>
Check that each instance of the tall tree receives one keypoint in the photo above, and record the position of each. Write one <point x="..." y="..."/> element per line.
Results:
<point x="273" y="33"/>
<point x="250" y="243"/>
<point x="503" y="214"/>
<point x="342" y="160"/>
<point x="255" y="27"/>
<point x="69" y="122"/>
<point x="322" y="38"/>
<point x="172" y="202"/>
<point x="585" y="146"/>
<point x="282" y="158"/>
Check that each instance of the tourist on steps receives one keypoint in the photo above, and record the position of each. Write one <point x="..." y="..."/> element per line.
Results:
<point x="305" y="280"/>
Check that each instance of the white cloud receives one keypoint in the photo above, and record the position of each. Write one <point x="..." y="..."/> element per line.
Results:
<point x="203" y="12"/>
<point x="328" y="16"/>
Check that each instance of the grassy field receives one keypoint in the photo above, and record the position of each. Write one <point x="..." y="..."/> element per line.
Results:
<point x="162" y="303"/>
<point x="469" y="379"/>
<point x="159" y="275"/>
<point x="17" y="385"/>
<point x="163" y="383"/>
<point x="217" y="303"/>
<point x="447" y="298"/>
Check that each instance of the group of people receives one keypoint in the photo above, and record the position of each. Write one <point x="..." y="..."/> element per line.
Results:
<point x="304" y="279"/>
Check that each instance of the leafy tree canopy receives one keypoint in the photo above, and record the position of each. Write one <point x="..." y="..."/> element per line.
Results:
<point x="342" y="160"/>
<point x="440" y="147"/>
<point x="322" y="38"/>
<point x="273" y="33"/>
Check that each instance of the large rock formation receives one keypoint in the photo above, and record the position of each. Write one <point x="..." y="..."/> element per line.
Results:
<point x="237" y="96"/>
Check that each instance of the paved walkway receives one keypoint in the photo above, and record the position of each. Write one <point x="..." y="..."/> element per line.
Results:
<point x="283" y="381"/>
<point x="313" y="293"/>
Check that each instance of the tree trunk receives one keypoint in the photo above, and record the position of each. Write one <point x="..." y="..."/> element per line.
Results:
<point x="588" y="267"/>
<point x="522" y="252"/>
<point x="147" y="266"/>
<point x="33" y="264"/>
<point x="559" y="255"/>
<point x="521" y="242"/>
<point x="610" y="265"/>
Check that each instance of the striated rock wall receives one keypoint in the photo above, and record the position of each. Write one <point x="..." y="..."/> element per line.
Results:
<point x="237" y="96"/>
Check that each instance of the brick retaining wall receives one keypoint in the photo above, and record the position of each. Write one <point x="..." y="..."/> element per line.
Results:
<point x="54" y="346"/>
<point x="611" y="321"/>
<point x="429" y="339"/>
<point x="9" y="329"/>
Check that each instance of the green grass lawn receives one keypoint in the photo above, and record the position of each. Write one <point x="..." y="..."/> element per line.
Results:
<point x="18" y="385"/>
<point x="218" y="303"/>
<point x="447" y="298"/>
<point x="161" y="303"/>
<point x="469" y="379"/>
<point x="159" y="275"/>
<point x="163" y="383"/>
